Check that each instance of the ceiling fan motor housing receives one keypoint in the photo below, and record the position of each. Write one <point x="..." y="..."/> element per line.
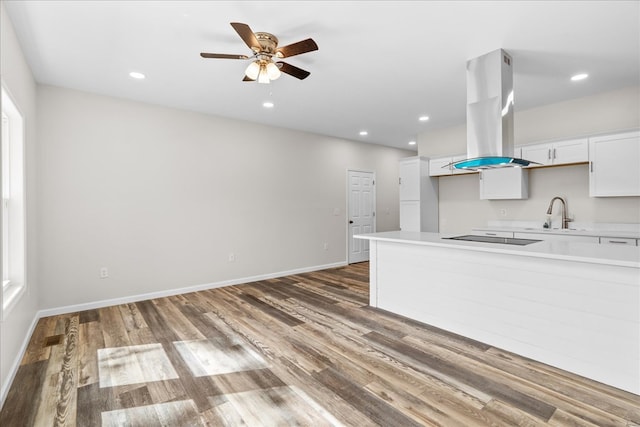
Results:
<point x="268" y="43"/>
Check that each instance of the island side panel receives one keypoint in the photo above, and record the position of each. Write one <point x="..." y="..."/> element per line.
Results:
<point x="373" y="273"/>
<point x="581" y="317"/>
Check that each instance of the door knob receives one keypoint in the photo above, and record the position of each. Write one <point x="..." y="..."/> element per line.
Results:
<point x="350" y="222"/>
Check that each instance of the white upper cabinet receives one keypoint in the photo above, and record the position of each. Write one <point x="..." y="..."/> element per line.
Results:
<point x="539" y="153"/>
<point x="614" y="168"/>
<point x="557" y="153"/>
<point x="438" y="166"/>
<point x="571" y="151"/>
<point x="505" y="183"/>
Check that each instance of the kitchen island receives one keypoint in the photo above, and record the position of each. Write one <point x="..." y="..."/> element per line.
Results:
<point x="572" y="305"/>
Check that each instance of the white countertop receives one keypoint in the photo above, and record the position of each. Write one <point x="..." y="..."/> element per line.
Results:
<point x="623" y="256"/>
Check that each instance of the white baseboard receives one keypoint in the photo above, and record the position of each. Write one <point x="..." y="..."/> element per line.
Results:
<point x="13" y="370"/>
<point x="134" y="298"/>
<point x="170" y="292"/>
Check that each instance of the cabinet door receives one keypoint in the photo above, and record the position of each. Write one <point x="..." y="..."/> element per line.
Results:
<point x="436" y="166"/>
<point x="507" y="183"/>
<point x="410" y="215"/>
<point x="539" y="153"/>
<point x="570" y="151"/>
<point x="614" y="168"/>
<point x="410" y="179"/>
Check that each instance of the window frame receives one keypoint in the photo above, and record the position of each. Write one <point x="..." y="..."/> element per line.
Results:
<point x="5" y="154"/>
<point x="13" y="212"/>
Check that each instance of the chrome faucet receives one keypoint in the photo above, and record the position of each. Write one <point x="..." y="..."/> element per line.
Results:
<point x="565" y="220"/>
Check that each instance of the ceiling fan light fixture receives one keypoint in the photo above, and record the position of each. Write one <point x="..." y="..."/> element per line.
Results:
<point x="263" y="77"/>
<point x="273" y="71"/>
<point x="253" y="70"/>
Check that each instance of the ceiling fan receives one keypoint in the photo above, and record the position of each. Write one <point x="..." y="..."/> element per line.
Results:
<point x="265" y="49"/>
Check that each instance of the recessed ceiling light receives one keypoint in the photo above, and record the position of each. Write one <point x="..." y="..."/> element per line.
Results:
<point x="579" y="77"/>
<point x="268" y="104"/>
<point x="364" y="133"/>
<point x="137" y="75"/>
<point x="412" y="143"/>
<point x="423" y="118"/>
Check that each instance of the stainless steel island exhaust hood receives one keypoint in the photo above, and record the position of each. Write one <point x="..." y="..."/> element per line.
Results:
<point x="490" y="113"/>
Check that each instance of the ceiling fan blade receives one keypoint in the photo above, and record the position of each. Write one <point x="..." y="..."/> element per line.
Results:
<point x="247" y="79"/>
<point x="223" y="56"/>
<point x="247" y="35"/>
<point x="292" y="70"/>
<point x="302" y="46"/>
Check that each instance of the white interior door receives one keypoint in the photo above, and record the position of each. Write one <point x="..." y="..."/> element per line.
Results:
<point x="361" y="213"/>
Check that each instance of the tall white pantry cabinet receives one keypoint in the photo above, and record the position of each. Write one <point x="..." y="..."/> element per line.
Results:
<point x="418" y="196"/>
<point x="614" y="165"/>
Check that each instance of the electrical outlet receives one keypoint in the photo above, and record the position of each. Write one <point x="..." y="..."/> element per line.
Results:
<point x="232" y="257"/>
<point x="325" y="246"/>
<point x="503" y="212"/>
<point x="104" y="273"/>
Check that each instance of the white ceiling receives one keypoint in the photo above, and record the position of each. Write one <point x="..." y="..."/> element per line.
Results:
<point x="380" y="64"/>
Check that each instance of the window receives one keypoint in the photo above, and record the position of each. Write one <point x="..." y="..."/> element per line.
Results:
<point x="13" y="205"/>
<point x="5" y="201"/>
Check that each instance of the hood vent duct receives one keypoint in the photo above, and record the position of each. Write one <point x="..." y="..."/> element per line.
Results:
<point x="490" y="113"/>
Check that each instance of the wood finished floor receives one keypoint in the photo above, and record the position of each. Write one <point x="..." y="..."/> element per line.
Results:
<point x="298" y="350"/>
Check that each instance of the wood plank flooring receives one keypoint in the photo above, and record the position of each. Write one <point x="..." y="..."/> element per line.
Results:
<point x="298" y="350"/>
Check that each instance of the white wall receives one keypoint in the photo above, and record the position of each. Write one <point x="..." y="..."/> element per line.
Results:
<point x="460" y="206"/>
<point x="161" y="197"/>
<point x="19" y="83"/>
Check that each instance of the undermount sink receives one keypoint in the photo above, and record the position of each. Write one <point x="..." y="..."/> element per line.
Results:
<point x="494" y="239"/>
